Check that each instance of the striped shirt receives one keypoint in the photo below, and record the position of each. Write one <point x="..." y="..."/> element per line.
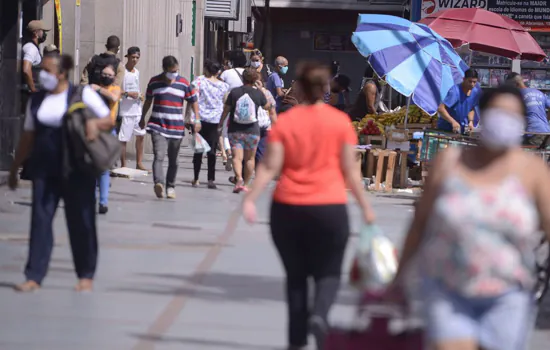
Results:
<point x="167" y="117"/>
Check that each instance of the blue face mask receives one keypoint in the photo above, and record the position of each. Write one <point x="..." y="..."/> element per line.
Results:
<point x="284" y="70"/>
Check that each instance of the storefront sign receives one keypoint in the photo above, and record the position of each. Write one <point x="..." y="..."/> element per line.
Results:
<point x="534" y="15"/>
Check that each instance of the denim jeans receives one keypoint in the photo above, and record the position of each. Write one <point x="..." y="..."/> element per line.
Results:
<point x="161" y="146"/>
<point x="104" y="184"/>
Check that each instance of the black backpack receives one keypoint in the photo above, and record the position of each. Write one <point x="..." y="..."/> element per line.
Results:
<point x="92" y="157"/>
<point x="98" y="63"/>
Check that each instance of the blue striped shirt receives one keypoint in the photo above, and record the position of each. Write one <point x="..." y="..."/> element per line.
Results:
<point x="167" y="117"/>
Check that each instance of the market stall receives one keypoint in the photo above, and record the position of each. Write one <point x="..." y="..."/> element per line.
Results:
<point x="419" y="64"/>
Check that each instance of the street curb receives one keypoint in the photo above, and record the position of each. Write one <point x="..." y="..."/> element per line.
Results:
<point x="4" y="177"/>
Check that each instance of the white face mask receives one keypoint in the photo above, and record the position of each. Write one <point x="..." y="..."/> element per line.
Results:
<point x="255" y="64"/>
<point x="171" y="75"/>
<point x="501" y="129"/>
<point x="47" y="80"/>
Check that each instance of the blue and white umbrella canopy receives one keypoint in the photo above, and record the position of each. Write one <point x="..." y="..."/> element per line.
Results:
<point x="414" y="60"/>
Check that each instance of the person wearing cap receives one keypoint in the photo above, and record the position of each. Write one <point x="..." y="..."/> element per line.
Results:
<point x="130" y="109"/>
<point x="51" y="49"/>
<point x="92" y="72"/>
<point x="36" y="35"/>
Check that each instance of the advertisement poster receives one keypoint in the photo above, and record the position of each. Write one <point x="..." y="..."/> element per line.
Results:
<point x="534" y="15"/>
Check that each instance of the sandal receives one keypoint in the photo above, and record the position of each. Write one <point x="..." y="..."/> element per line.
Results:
<point x="26" y="287"/>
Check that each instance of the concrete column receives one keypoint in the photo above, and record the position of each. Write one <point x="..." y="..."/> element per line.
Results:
<point x="10" y="111"/>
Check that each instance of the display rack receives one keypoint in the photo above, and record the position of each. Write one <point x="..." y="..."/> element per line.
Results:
<point x="492" y="69"/>
<point x="537" y="74"/>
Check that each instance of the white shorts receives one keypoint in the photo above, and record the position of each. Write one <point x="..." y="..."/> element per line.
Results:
<point x="129" y="127"/>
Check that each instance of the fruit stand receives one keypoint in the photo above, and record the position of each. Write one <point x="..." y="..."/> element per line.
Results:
<point x="390" y="145"/>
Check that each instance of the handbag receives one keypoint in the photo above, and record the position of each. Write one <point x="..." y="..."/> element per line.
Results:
<point x="378" y="327"/>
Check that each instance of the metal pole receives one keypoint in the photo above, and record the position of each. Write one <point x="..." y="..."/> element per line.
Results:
<point x="77" y="21"/>
<point x="407" y="112"/>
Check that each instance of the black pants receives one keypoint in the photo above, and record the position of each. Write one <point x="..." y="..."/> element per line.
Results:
<point x="78" y="194"/>
<point x="209" y="132"/>
<point x="262" y="147"/>
<point x="311" y="241"/>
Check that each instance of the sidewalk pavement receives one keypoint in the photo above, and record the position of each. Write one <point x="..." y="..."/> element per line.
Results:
<point x="169" y="276"/>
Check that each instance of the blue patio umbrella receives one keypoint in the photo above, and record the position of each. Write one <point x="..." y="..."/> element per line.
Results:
<point x="413" y="59"/>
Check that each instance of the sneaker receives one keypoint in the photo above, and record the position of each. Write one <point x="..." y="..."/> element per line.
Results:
<point x="159" y="190"/>
<point x="195" y="183"/>
<point x="233" y="180"/>
<point x="171" y="193"/>
<point x="212" y="185"/>
<point x="318" y="328"/>
<point x="103" y="209"/>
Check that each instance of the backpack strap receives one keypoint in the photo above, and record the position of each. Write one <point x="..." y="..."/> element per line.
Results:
<point x="74" y="98"/>
<point x="239" y="74"/>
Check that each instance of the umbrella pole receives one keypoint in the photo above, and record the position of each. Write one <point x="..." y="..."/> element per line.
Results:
<point x="470" y="57"/>
<point x="407" y="111"/>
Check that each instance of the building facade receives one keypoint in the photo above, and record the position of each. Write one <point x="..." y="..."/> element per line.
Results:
<point x="317" y="30"/>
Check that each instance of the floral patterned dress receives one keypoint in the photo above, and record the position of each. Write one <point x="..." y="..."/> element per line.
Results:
<point x="480" y="240"/>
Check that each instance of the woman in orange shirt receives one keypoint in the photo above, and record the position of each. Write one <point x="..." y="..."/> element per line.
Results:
<point x="312" y="148"/>
<point x="111" y="94"/>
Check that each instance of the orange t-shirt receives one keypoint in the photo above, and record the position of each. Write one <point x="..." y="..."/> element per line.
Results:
<point x="313" y="138"/>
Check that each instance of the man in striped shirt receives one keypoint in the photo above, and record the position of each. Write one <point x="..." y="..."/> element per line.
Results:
<point x="167" y="93"/>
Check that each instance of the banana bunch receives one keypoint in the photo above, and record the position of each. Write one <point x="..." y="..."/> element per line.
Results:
<point x="416" y="116"/>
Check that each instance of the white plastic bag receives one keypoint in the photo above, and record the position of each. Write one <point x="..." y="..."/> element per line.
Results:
<point x="375" y="261"/>
<point x="199" y="144"/>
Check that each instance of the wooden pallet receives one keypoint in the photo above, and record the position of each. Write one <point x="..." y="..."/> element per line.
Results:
<point x="385" y="167"/>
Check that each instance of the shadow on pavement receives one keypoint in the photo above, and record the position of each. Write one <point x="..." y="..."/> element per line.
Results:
<point x="224" y="287"/>
<point x="202" y="342"/>
<point x="543" y="317"/>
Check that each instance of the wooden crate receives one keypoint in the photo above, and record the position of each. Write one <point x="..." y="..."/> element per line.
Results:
<point x="385" y="168"/>
<point x="377" y="141"/>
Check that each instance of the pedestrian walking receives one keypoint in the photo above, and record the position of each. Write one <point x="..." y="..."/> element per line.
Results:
<point x="211" y="92"/>
<point x="130" y="109"/>
<point x="257" y="62"/>
<point x="474" y="244"/>
<point x="36" y="34"/>
<point x="234" y="75"/>
<point x="167" y="93"/>
<point x="43" y="144"/>
<point x="92" y="72"/>
<point x="265" y="119"/>
<point x="309" y="218"/>
<point x="243" y="130"/>
<point x="110" y="93"/>
<point x="275" y="82"/>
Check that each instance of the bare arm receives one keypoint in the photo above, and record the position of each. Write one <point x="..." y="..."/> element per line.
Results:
<point x="370" y="92"/>
<point x="23" y="149"/>
<point x="267" y="170"/>
<point x="280" y="92"/>
<point x="225" y="113"/>
<point x="119" y="78"/>
<point x="84" y="77"/>
<point x="272" y="114"/>
<point x="146" y="106"/>
<point x="353" y="178"/>
<point x="195" y="107"/>
<point x="112" y="96"/>
<point x="445" y="114"/>
<point x="27" y="74"/>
